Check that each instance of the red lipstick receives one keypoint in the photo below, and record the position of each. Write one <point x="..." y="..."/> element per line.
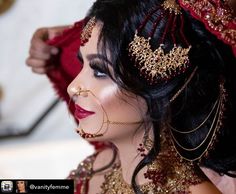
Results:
<point x="81" y="113"/>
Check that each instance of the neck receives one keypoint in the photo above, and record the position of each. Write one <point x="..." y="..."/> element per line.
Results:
<point x="130" y="157"/>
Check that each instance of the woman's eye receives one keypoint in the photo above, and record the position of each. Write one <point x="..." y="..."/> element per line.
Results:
<point x="99" y="74"/>
<point x="99" y="70"/>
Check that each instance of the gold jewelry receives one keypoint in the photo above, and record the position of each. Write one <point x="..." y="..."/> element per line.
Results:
<point x="219" y="106"/>
<point x="156" y="65"/>
<point x="199" y="126"/>
<point x="86" y="135"/>
<point x="166" y="174"/>
<point x="79" y="92"/>
<point x="87" y="31"/>
<point x="172" y="6"/>
<point x="184" y="86"/>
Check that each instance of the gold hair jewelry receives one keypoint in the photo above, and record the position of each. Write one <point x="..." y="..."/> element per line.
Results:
<point x="172" y="6"/>
<point x="167" y="61"/>
<point x="87" y="31"/>
<point x="184" y="86"/>
<point x="219" y="107"/>
<point x="156" y="65"/>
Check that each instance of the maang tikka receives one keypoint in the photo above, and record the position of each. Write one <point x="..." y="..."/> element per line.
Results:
<point x="87" y="31"/>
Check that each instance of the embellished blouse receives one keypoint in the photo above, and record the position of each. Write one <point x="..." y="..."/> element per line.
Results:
<point x="173" y="177"/>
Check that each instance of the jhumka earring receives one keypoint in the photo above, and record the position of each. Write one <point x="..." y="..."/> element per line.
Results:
<point x="146" y="144"/>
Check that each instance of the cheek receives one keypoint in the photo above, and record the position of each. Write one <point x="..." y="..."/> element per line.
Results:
<point x="120" y="107"/>
<point x="108" y="94"/>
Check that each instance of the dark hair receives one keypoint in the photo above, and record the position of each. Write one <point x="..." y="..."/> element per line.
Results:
<point x="120" y="19"/>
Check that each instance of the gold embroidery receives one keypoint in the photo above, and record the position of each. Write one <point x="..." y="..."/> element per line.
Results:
<point x="168" y="173"/>
<point x="215" y="17"/>
<point x="167" y="177"/>
<point x="83" y="173"/>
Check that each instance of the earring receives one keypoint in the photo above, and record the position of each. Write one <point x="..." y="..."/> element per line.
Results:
<point x="146" y="145"/>
<point x="88" y="135"/>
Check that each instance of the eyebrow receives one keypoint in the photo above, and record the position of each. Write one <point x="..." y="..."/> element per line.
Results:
<point x="94" y="56"/>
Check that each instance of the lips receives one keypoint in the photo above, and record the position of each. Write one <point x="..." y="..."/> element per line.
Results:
<point x="81" y="113"/>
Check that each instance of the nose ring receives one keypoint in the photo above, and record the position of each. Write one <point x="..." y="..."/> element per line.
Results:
<point x="79" y="92"/>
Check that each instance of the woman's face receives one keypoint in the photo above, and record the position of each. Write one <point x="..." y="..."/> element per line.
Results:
<point x="21" y="186"/>
<point x="101" y="100"/>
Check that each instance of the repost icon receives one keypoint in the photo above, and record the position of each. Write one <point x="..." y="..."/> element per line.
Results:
<point x="6" y="186"/>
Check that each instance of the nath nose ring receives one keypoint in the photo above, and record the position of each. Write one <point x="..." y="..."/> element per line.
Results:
<point x="79" y="92"/>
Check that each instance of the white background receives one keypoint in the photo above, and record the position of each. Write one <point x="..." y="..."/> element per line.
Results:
<point x="54" y="148"/>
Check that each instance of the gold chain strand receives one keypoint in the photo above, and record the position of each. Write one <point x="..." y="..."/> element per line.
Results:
<point x="124" y="123"/>
<point x="184" y="86"/>
<point x="210" y="130"/>
<point x="217" y="127"/>
<point x="199" y="126"/>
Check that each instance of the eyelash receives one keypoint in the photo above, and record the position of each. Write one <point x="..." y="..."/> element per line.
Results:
<point x="98" y="70"/>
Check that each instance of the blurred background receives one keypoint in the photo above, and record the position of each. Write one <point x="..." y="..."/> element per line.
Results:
<point x="53" y="148"/>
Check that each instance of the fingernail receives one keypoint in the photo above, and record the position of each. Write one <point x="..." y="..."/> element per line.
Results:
<point x="54" y="50"/>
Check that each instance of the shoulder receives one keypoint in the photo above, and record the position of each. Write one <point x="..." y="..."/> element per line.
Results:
<point x="205" y="187"/>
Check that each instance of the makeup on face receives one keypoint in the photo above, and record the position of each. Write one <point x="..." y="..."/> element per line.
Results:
<point x="105" y="111"/>
<point x="81" y="113"/>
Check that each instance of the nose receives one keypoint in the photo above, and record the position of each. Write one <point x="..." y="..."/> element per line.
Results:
<point x="76" y="88"/>
<point x="73" y="88"/>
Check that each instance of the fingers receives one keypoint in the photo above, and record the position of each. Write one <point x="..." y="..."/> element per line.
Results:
<point x="39" y="49"/>
<point x="37" y="63"/>
<point x="40" y="52"/>
<point x="39" y="70"/>
<point x="39" y="66"/>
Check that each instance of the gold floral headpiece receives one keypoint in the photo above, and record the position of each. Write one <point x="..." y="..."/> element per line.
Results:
<point x="156" y="66"/>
